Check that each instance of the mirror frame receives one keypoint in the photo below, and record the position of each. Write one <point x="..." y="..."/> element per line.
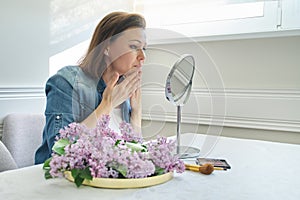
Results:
<point x="187" y="88"/>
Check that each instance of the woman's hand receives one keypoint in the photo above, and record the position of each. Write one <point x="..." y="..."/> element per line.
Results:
<point x="115" y="94"/>
<point x="130" y="87"/>
<point x="105" y="107"/>
<point x="136" y="100"/>
<point x="127" y="87"/>
<point x="136" y="111"/>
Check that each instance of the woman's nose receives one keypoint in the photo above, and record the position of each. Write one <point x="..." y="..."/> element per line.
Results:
<point x="141" y="55"/>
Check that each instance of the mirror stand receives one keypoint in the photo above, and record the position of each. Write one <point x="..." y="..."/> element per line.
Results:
<point x="184" y="151"/>
<point x="177" y="91"/>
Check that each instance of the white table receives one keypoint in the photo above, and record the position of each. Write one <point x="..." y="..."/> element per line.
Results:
<point x="260" y="170"/>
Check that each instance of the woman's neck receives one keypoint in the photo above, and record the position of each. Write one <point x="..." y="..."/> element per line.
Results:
<point x="107" y="74"/>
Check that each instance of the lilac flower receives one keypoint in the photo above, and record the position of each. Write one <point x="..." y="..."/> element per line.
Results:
<point x="128" y="133"/>
<point x="160" y="152"/>
<point x="72" y="131"/>
<point x="108" y="154"/>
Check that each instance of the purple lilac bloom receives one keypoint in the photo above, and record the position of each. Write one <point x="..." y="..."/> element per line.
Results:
<point x="160" y="152"/>
<point x="128" y="133"/>
<point x="71" y="132"/>
<point x="97" y="149"/>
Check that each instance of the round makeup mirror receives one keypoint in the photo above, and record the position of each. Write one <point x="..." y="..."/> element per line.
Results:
<point x="177" y="91"/>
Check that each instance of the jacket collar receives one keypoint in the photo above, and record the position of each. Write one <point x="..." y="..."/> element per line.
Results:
<point x="101" y="86"/>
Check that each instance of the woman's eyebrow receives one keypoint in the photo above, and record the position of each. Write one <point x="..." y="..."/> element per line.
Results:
<point x="134" y="40"/>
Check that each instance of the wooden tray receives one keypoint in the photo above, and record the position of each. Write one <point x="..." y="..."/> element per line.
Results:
<point x="124" y="183"/>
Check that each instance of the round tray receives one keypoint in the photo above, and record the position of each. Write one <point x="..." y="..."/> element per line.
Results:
<point x="124" y="183"/>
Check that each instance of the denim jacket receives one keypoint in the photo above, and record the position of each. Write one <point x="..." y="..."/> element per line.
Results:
<point x="71" y="97"/>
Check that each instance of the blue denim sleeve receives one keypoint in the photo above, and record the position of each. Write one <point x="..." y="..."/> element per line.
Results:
<point x="59" y="114"/>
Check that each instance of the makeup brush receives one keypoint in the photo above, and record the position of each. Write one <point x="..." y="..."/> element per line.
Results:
<point x="207" y="168"/>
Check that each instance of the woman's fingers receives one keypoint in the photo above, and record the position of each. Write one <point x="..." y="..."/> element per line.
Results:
<point x="113" y="81"/>
<point x="132" y="71"/>
<point x="130" y="83"/>
<point x="136" y="84"/>
<point x="108" y="92"/>
<point x="132" y="75"/>
<point x="126" y="88"/>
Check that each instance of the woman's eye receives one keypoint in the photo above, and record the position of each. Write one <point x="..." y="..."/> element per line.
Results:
<point x="133" y="47"/>
<point x="137" y="48"/>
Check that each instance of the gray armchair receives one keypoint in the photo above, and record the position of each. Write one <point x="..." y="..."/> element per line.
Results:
<point x="6" y="160"/>
<point x="22" y="135"/>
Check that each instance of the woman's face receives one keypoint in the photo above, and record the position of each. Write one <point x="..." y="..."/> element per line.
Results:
<point x="127" y="51"/>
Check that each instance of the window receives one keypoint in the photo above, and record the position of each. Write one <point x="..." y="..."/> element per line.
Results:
<point x="214" y="19"/>
<point x="180" y="12"/>
<point x="72" y="23"/>
<point x="170" y="21"/>
<point x="290" y="14"/>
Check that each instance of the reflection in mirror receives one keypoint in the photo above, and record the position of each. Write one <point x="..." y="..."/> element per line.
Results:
<point x="181" y="79"/>
<point x="177" y="91"/>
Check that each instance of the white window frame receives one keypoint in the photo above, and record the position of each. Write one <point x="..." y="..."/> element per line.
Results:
<point x="264" y="20"/>
<point x="290" y="15"/>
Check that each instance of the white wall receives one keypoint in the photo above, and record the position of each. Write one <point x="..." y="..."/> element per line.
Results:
<point x="24" y="42"/>
<point x="24" y="55"/>
<point x="261" y="86"/>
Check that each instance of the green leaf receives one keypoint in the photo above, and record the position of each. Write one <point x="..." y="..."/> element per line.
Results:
<point x="47" y="164"/>
<point x="76" y="175"/>
<point x="159" y="171"/>
<point x="59" y="146"/>
<point x="80" y="174"/>
<point x="46" y="167"/>
<point x="117" y="142"/>
<point x="75" y="172"/>
<point x="47" y="174"/>
<point x="122" y="170"/>
<point x="78" y="181"/>
<point x="136" y="147"/>
<point x="86" y="174"/>
<point x="144" y="146"/>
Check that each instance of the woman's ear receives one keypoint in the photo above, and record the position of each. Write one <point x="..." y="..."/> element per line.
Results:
<point x="106" y="52"/>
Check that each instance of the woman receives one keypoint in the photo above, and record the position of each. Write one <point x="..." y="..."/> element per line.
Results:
<point x="107" y="80"/>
